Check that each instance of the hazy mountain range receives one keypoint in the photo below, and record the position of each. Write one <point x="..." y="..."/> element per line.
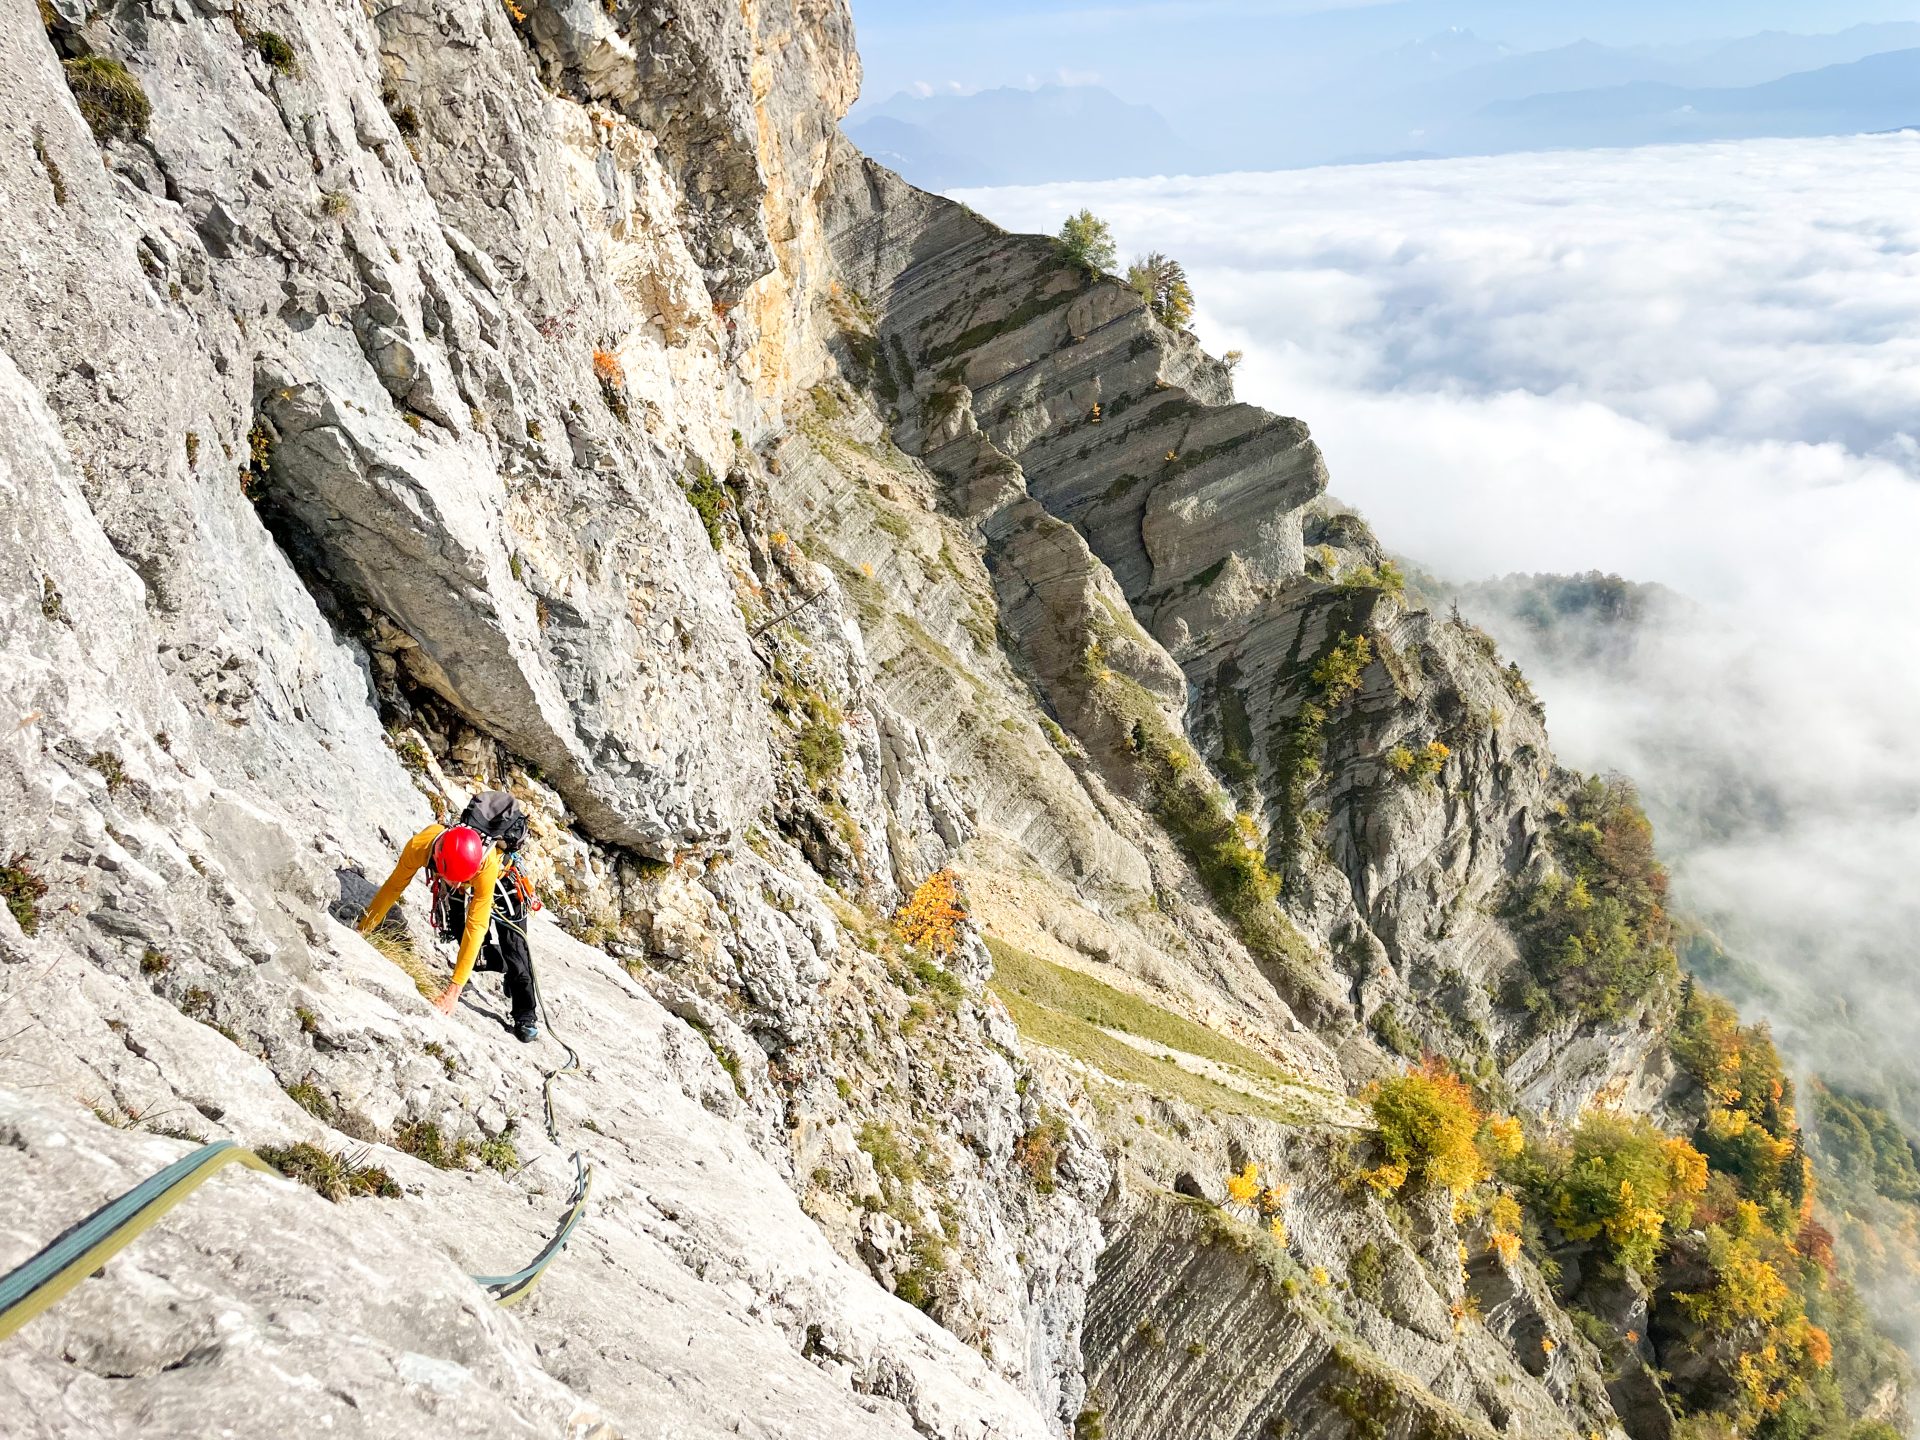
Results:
<point x="1019" y="137"/>
<point x="1454" y="93"/>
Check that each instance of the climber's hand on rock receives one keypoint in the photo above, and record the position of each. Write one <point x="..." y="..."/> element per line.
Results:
<point x="447" y="999"/>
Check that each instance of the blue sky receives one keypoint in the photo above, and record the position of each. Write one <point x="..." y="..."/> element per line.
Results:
<point x="1145" y="49"/>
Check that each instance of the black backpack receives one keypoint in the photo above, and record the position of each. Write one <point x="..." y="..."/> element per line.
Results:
<point x="499" y="819"/>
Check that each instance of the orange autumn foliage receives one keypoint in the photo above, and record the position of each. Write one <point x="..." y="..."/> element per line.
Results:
<point x="608" y="370"/>
<point x="932" y="917"/>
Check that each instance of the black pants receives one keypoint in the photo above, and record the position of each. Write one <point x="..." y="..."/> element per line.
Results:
<point x="505" y="948"/>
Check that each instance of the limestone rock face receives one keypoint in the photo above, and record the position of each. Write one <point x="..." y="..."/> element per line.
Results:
<point x="539" y="395"/>
<point x="697" y="1293"/>
<point x="1140" y="523"/>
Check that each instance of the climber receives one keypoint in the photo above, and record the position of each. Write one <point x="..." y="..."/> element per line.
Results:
<point x="479" y="896"/>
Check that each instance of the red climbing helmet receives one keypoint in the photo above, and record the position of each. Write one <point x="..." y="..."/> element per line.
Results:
<point x="457" y="854"/>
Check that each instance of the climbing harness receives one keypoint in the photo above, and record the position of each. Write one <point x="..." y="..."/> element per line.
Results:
<point x="45" y="1279"/>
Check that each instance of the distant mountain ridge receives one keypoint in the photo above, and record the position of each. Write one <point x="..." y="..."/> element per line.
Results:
<point x="1450" y="93"/>
<point x="1880" y="92"/>
<point x="1010" y="136"/>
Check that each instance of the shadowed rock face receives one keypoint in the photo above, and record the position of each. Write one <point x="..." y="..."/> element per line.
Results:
<point x="1199" y="1329"/>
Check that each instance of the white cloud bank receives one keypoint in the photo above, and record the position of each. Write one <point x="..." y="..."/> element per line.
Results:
<point x="1698" y="365"/>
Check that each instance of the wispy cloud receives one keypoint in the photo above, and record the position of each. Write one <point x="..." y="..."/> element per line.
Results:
<point x="1696" y="365"/>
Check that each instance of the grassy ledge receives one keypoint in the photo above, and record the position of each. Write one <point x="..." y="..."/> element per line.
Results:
<point x="1074" y="1013"/>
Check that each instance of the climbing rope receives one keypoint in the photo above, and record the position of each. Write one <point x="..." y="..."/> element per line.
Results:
<point x="510" y="1289"/>
<point x="45" y="1279"/>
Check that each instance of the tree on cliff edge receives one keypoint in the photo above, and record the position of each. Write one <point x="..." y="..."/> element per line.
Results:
<point x="1087" y="241"/>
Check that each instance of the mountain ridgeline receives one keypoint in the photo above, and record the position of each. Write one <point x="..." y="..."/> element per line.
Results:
<point x="1057" y="940"/>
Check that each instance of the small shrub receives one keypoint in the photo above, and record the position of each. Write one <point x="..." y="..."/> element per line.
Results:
<point x="1038" y="1152"/>
<point x="1420" y="766"/>
<point x="932" y="917"/>
<point x="612" y="376"/>
<point x="1392" y="1032"/>
<point x="405" y="118"/>
<point x="1503" y="1222"/>
<point x="23" y="891"/>
<point x="259" y="458"/>
<point x="152" y="962"/>
<point x="710" y="502"/>
<point x="336" y="204"/>
<point x="276" y="50"/>
<point x="1162" y="284"/>
<point x="920" y="1286"/>
<point x="822" y="750"/>
<point x="1244" y="1188"/>
<point x="111" y="100"/>
<point x="1341" y="670"/>
<point x="1087" y="241"/>
<point x="336" y="1176"/>
<point x="497" y="1152"/>
<point x="1367" y="1274"/>
<point x="110" y="769"/>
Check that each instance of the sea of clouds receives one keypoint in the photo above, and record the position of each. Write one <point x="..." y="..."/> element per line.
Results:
<point x="1696" y="365"/>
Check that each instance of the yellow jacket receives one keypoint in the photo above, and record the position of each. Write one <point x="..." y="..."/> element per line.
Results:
<point x="479" y="901"/>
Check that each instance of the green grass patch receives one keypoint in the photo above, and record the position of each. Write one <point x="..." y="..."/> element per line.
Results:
<point x="821" y="750"/>
<point x="1072" y="1013"/>
<point x="423" y="1140"/>
<point x="277" y="51"/>
<point x="111" y="100"/>
<point x="1097" y="1003"/>
<point x="312" y="1099"/>
<point x="338" y="1177"/>
<point x="23" y="890"/>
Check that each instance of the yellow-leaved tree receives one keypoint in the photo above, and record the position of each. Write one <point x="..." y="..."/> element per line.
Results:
<point x="1429" y="1127"/>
